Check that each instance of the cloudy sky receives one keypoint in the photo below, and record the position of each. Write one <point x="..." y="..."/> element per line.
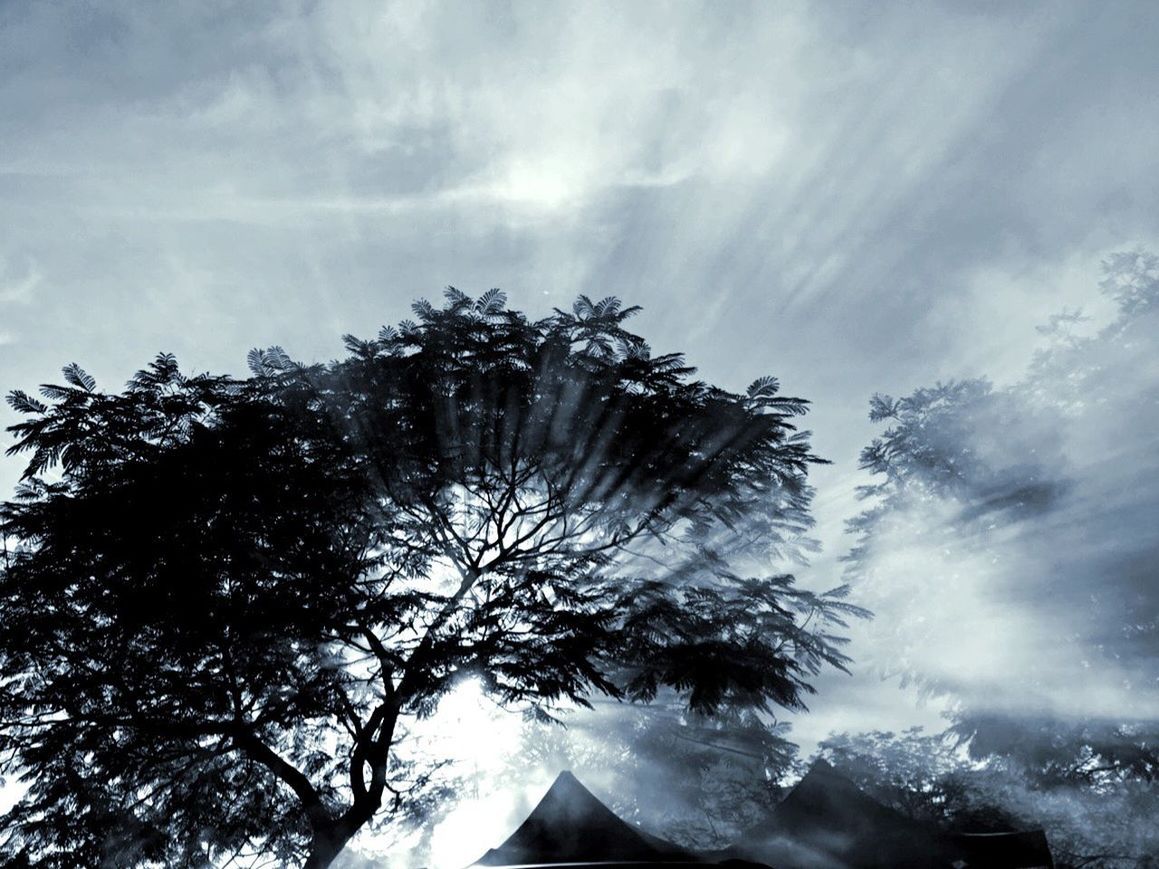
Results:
<point x="853" y="197"/>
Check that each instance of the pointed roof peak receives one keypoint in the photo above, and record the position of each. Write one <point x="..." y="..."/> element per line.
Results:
<point x="823" y="777"/>
<point x="822" y="770"/>
<point x="822" y="765"/>
<point x="567" y="787"/>
<point x="571" y="823"/>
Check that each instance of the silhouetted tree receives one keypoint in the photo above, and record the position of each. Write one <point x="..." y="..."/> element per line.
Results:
<point x="228" y="600"/>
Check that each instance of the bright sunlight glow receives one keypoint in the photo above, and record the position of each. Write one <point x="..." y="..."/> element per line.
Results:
<point x="479" y="738"/>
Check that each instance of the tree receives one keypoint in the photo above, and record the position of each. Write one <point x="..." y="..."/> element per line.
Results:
<point x="1033" y="504"/>
<point x="231" y="600"/>
<point x="999" y="487"/>
<point x="911" y="771"/>
<point x="1103" y="823"/>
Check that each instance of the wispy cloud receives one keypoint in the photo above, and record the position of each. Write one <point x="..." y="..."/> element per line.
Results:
<point x="18" y="281"/>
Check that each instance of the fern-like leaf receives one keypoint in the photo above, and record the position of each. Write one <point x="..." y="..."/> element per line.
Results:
<point x="607" y="306"/>
<point x="22" y="402"/>
<point x="882" y="407"/>
<point x="274" y="360"/>
<point x="78" y="377"/>
<point x="456" y="299"/>
<point x="255" y="362"/>
<point x="764" y="387"/>
<point x="53" y="392"/>
<point x="166" y="367"/>
<point x="279" y="359"/>
<point x="491" y="302"/>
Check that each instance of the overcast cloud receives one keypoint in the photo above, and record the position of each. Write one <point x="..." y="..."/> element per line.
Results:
<point x="853" y="197"/>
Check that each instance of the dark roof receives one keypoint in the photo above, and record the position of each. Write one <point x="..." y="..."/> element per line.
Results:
<point x="824" y="795"/>
<point x="570" y="825"/>
<point x="827" y="822"/>
<point x="1023" y="850"/>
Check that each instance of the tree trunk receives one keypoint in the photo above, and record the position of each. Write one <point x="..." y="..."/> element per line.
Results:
<point x="330" y="838"/>
<point x="323" y="851"/>
<point x="327" y="843"/>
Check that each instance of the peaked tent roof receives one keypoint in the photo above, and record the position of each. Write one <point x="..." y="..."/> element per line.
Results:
<point x="1024" y="850"/>
<point x="571" y="825"/>
<point x="827" y="822"/>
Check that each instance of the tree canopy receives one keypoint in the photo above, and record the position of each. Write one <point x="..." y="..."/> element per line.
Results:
<point x="1017" y="521"/>
<point x="228" y="600"/>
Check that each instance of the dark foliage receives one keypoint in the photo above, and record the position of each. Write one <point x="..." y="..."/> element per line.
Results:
<point x="228" y="597"/>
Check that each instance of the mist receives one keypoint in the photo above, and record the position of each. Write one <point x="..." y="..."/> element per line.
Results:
<point x="1029" y="588"/>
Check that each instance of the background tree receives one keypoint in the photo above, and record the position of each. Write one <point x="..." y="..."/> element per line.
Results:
<point x="927" y="777"/>
<point x="1033" y="503"/>
<point x="911" y="771"/>
<point x="231" y="601"/>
